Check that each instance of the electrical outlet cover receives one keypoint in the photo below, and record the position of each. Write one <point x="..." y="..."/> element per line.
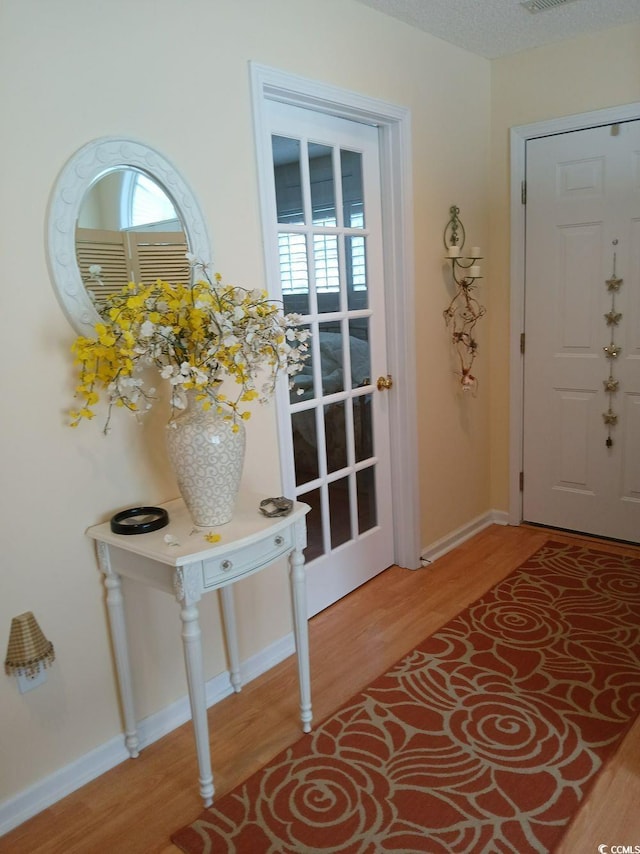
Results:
<point x="28" y="683"/>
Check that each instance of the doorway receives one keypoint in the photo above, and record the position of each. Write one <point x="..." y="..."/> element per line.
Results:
<point x="327" y="219"/>
<point x="348" y="447"/>
<point x="578" y="378"/>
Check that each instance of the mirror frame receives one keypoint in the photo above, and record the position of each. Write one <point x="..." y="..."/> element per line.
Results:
<point x="77" y="176"/>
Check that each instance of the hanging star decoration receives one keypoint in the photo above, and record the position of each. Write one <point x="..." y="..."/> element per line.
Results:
<point x="612" y="350"/>
<point x="613" y="318"/>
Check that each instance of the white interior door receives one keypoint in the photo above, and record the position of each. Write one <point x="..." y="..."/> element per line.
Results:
<point x="326" y="254"/>
<point x="581" y="443"/>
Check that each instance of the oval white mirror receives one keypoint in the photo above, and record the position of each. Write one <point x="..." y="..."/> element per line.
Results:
<point x="119" y="212"/>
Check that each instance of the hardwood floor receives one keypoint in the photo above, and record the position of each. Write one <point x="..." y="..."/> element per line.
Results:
<point x="134" y="808"/>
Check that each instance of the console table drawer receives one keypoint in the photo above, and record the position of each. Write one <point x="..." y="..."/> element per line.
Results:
<point x="249" y="558"/>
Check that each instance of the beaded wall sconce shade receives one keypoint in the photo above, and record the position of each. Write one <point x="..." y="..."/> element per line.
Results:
<point x="28" y="650"/>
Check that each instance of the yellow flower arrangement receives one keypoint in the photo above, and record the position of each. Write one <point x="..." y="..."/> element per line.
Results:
<point x="195" y="335"/>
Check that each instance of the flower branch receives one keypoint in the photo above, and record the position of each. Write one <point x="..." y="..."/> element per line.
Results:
<point x="196" y="336"/>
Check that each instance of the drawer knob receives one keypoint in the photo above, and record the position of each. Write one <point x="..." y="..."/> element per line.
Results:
<point x="226" y="565"/>
<point x="279" y="540"/>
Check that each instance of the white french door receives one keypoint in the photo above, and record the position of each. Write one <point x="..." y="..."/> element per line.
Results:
<point x="325" y="235"/>
<point x="581" y="439"/>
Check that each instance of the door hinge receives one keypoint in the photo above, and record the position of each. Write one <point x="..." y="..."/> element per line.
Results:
<point x="523" y="192"/>
<point x="521" y="481"/>
<point x="522" y="342"/>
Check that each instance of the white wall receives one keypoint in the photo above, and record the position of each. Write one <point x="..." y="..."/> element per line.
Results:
<point x="175" y="75"/>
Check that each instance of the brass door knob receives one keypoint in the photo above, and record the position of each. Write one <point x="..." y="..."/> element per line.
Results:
<point x="385" y="382"/>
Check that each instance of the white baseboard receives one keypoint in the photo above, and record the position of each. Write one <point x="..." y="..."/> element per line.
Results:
<point x="61" y="783"/>
<point x="455" y="538"/>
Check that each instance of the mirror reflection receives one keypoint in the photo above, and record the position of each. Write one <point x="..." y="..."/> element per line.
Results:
<point x="128" y="229"/>
<point x="106" y="187"/>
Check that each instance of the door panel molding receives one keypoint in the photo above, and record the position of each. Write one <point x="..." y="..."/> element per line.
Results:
<point x="394" y="132"/>
<point x="519" y="136"/>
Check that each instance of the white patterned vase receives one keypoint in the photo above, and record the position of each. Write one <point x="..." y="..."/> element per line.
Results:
<point x="207" y="458"/>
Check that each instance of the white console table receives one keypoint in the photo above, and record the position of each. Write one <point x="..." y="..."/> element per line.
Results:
<point x="189" y="567"/>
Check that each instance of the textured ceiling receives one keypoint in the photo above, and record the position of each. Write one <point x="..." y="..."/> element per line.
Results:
<point x="494" y="28"/>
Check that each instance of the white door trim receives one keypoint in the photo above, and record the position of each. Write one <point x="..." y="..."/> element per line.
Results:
<point x="394" y="129"/>
<point x="519" y="137"/>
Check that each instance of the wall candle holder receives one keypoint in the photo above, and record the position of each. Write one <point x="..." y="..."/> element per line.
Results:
<point x="464" y="310"/>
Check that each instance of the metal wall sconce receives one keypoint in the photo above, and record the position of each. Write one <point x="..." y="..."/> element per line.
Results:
<point x="464" y="310"/>
<point x="29" y="652"/>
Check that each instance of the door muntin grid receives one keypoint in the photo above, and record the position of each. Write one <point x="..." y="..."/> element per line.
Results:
<point x="322" y="243"/>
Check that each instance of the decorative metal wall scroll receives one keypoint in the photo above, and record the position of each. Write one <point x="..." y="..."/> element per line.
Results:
<point x="612" y="350"/>
<point x="464" y="310"/>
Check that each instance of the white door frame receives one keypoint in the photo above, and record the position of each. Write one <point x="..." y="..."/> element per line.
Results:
<point x="394" y="131"/>
<point x="519" y="137"/>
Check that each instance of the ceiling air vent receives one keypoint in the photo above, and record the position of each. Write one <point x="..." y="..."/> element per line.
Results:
<point x="540" y="5"/>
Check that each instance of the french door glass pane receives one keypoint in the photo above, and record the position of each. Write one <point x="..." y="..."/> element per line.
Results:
<point x="303" y="382"/>
<point x="305" y="445"/>
<point x="331" y="358"/>
<point x="352" y="189"/>
<point x="366" y="489"/>
<point x="294" y="271"/>
<point x="362" y="427"/>
<point x="315" y="545"/>
<point x="339" y="512"/>
<point x="288" y="179"/>
<point x="335" y="430"/>
<point x="359" y="352"/>
<point x="323" y="195"/>
<point x="356" y="270"/>
<point x="327" y="271"/>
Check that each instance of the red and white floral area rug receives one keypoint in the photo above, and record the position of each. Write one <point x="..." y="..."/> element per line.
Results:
<point x="485" y="738"/>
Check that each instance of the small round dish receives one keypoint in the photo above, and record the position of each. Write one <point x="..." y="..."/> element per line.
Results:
<point x="279" y="506"/>
<point x="139" y="520"/>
